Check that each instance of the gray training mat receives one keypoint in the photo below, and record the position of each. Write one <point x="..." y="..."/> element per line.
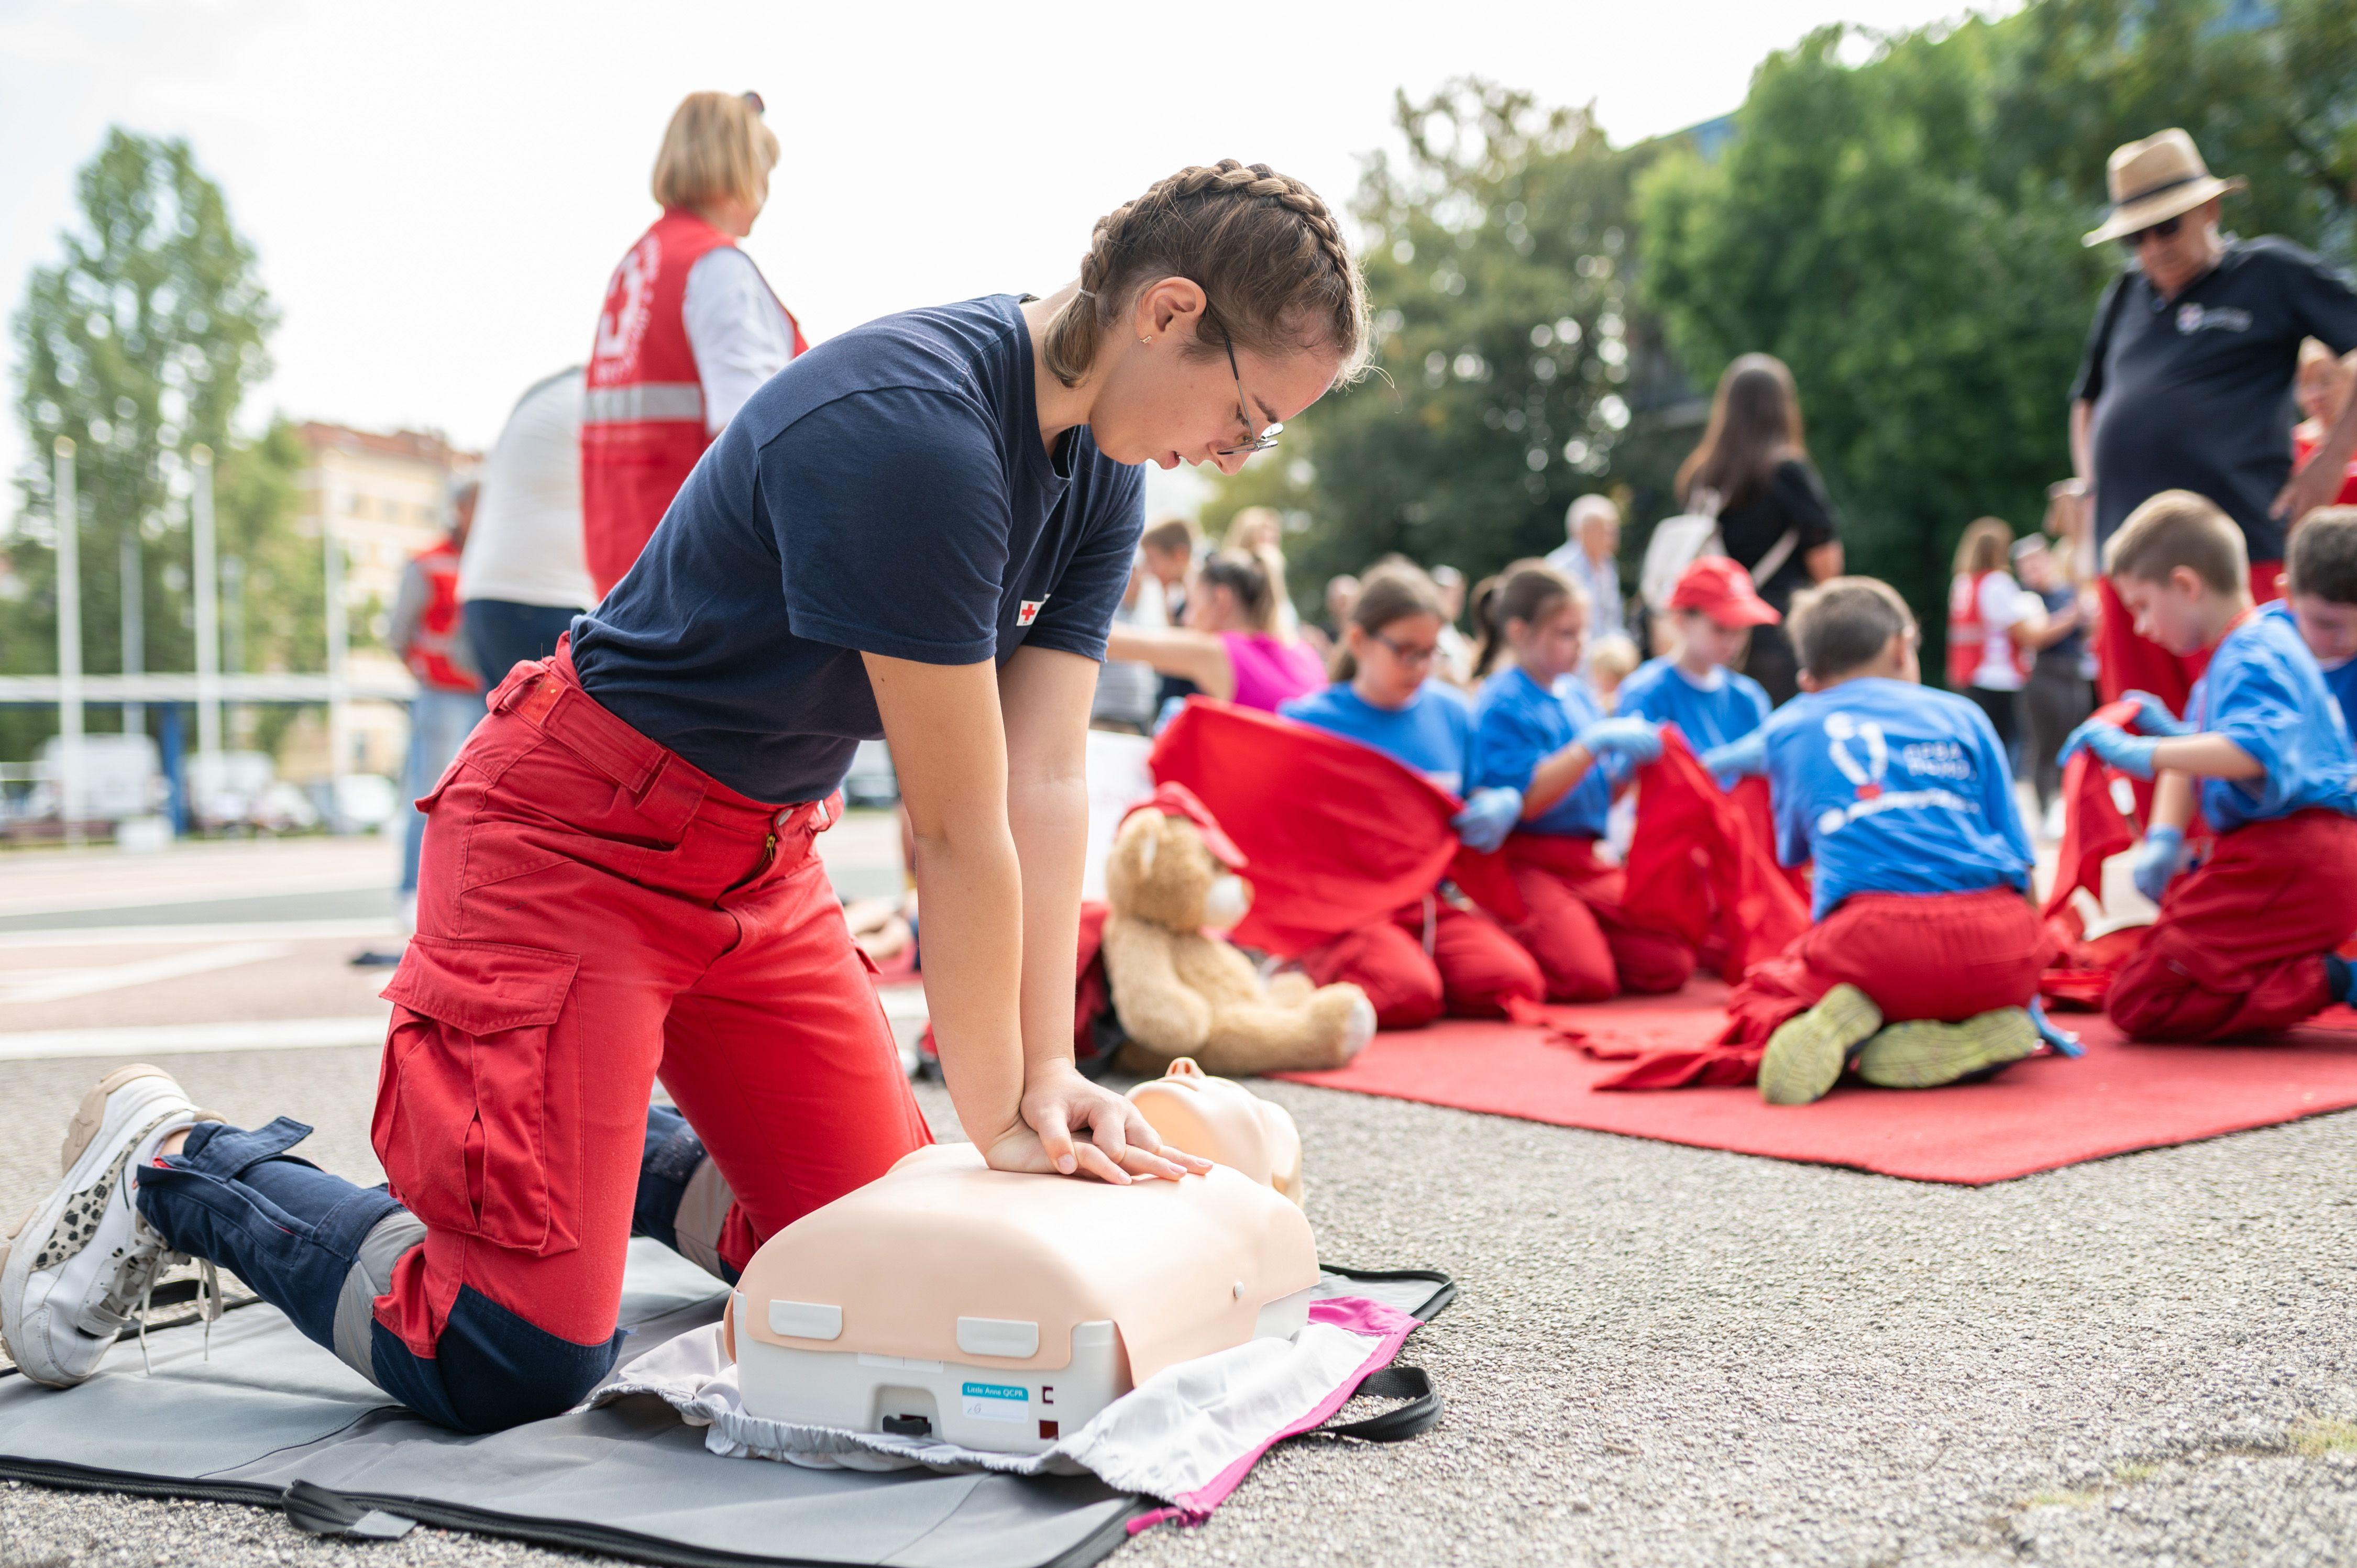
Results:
<point x="274" y="1419"/>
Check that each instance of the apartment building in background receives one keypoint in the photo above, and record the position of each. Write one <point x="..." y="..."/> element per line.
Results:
<point x="386" y="496"/>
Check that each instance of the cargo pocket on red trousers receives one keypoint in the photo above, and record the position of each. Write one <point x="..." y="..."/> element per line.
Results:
<point x="467" y="1123"/>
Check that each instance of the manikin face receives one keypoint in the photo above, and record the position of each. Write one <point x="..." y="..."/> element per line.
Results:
<point x="2328" y="627"/>
<point x="1394" y="661"/>
<point x="1159" y="402"/>
<point x="2175" y="613"/>
<point x="1549" y="648"/>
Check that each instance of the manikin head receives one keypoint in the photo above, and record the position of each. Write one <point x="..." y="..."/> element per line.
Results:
<point x="1209" y="311"/>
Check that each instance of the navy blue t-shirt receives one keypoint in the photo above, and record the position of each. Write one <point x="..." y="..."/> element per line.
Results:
<point x="888" y="493"/>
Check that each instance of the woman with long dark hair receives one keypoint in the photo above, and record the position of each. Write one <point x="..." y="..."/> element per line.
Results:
<point x="1753" y="466"/>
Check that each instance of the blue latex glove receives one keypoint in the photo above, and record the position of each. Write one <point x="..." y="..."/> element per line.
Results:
<point x="1747" y="754"/>
<point x="2152" y="716"/>
<point x="2131" y="754"/>
<point x="1488" y="818"/>
<point x="1637" y="740"/>
<point x="2063" y="1042"/>
<point x="2158" y="861"/>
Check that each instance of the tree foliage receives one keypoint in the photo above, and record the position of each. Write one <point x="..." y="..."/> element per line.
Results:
<point x="140" y="344"/>
<point x="1905" y="234"/>
<point x="1496" y="251"/>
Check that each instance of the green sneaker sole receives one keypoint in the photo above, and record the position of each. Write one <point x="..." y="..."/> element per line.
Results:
<point x="1806" y="1055"/>
<point x="1925" y="1054"/>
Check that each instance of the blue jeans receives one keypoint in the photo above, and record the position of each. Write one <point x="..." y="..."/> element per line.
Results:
<point x="322" y="1250"/>
<point x="504" y="634"/>
<point x="440" y="723"/>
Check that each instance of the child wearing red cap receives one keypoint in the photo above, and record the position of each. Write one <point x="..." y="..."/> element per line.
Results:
<point x="1714" y="607"/>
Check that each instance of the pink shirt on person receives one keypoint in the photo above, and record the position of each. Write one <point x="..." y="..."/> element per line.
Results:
<point x="1270" y="671"/>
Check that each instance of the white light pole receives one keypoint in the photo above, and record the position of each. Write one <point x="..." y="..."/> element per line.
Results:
<point x="338" y="636"/>
<point x="135" y="624"/>
<point x="207" y="573"/>
<point x="69" y="522"/>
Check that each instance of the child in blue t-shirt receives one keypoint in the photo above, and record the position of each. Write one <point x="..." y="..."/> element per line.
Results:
<point x="2244" y="941"/>
<point x="1925" y="956"/>
<point x="2321" y="598"/>
<point x="1439" y="954"/>
<point x="1537" y="732"/>
<point x="1714" y="607"/>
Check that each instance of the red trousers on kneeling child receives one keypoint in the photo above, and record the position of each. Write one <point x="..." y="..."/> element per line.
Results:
<point x="1431" y="957"/>
<point x="2239" y="947"/>
<point x="1947" y="956"/>
<point x="1576" y="926"/>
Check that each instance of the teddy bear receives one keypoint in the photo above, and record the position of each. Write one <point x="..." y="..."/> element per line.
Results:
<point x="1178" y="991"/>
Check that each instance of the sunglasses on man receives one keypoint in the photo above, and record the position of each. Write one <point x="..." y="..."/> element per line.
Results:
<point x="2164" y="229"/>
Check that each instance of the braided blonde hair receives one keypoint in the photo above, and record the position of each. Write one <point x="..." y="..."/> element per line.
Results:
<point x="1262" y="246"/>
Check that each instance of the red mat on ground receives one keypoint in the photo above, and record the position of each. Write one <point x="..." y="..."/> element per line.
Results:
<point x="2034" y="1116"/>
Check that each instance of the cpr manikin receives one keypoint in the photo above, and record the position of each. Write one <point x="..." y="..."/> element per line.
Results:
<point x="1000" y="1312"/>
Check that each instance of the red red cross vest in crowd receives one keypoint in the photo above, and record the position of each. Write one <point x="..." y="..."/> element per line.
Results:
<point x="1967" y="637"/>
<point x="428" y="654"/>
<point x="642" y="423"/>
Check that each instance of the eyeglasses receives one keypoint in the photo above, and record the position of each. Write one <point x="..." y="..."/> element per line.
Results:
<point x="1257" y="443"/>
<point x="1412" y="658"/>
<point x="2164" y="229"/>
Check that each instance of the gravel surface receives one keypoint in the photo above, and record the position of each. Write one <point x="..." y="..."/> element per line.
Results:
<point x="1665" y="1355"/>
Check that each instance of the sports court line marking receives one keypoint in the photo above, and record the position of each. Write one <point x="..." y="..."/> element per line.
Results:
<point x="188" y="1039"/>
<point x="59" y="984"/>
<point x="379" y="930"/>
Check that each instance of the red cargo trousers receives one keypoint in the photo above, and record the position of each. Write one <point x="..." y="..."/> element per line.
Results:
<point x="1578" y="927"/>
<point x="596" y="914"/>
<point x="2239" y="947"/>
<point x="1948" y="956"/>
<point x="1430" y="958"/>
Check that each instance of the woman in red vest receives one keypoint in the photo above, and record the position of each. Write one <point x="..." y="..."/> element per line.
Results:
<point x="917" y="532"/>
<point x="689" y="329"/>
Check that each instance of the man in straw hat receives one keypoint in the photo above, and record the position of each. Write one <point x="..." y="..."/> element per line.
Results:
<point x="2187" y="378"/>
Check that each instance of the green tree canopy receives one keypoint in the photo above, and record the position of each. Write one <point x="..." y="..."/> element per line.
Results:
<point x="1905" y="234"/>
<point x="1496" y="251"/>
<point x="138" y="345"/>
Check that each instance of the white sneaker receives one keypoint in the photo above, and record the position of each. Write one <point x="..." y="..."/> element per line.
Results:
<point x="80" y="1264"/>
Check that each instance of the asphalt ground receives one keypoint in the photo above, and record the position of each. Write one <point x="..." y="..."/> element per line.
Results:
<point x="1661" y="1354"/>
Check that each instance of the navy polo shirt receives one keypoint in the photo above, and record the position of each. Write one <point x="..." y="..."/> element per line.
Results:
<point x="887" y="492"/>
<point x="2194" y="393"/>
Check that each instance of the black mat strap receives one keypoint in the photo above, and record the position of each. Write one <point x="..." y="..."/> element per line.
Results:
<point x="1399" y="1424"/>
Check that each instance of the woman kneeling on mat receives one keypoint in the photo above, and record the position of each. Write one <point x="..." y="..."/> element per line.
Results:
<point x="1438" y="954"/>
<point x="1536" y="730"/>
<point x="917" y="531"/>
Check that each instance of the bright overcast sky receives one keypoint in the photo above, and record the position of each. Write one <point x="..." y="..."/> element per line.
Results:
<point x="437" y="191"/>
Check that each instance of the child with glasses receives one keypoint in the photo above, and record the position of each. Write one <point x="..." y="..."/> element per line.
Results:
<point x="1438" y="954"/>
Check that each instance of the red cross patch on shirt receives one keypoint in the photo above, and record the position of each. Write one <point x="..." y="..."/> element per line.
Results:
<point x="1030" y="610"/>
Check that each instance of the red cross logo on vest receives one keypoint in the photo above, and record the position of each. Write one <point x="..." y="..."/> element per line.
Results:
<point x="642" y="423"/>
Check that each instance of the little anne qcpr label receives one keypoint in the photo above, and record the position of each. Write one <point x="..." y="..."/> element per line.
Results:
<point x="998" y="1401"/>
